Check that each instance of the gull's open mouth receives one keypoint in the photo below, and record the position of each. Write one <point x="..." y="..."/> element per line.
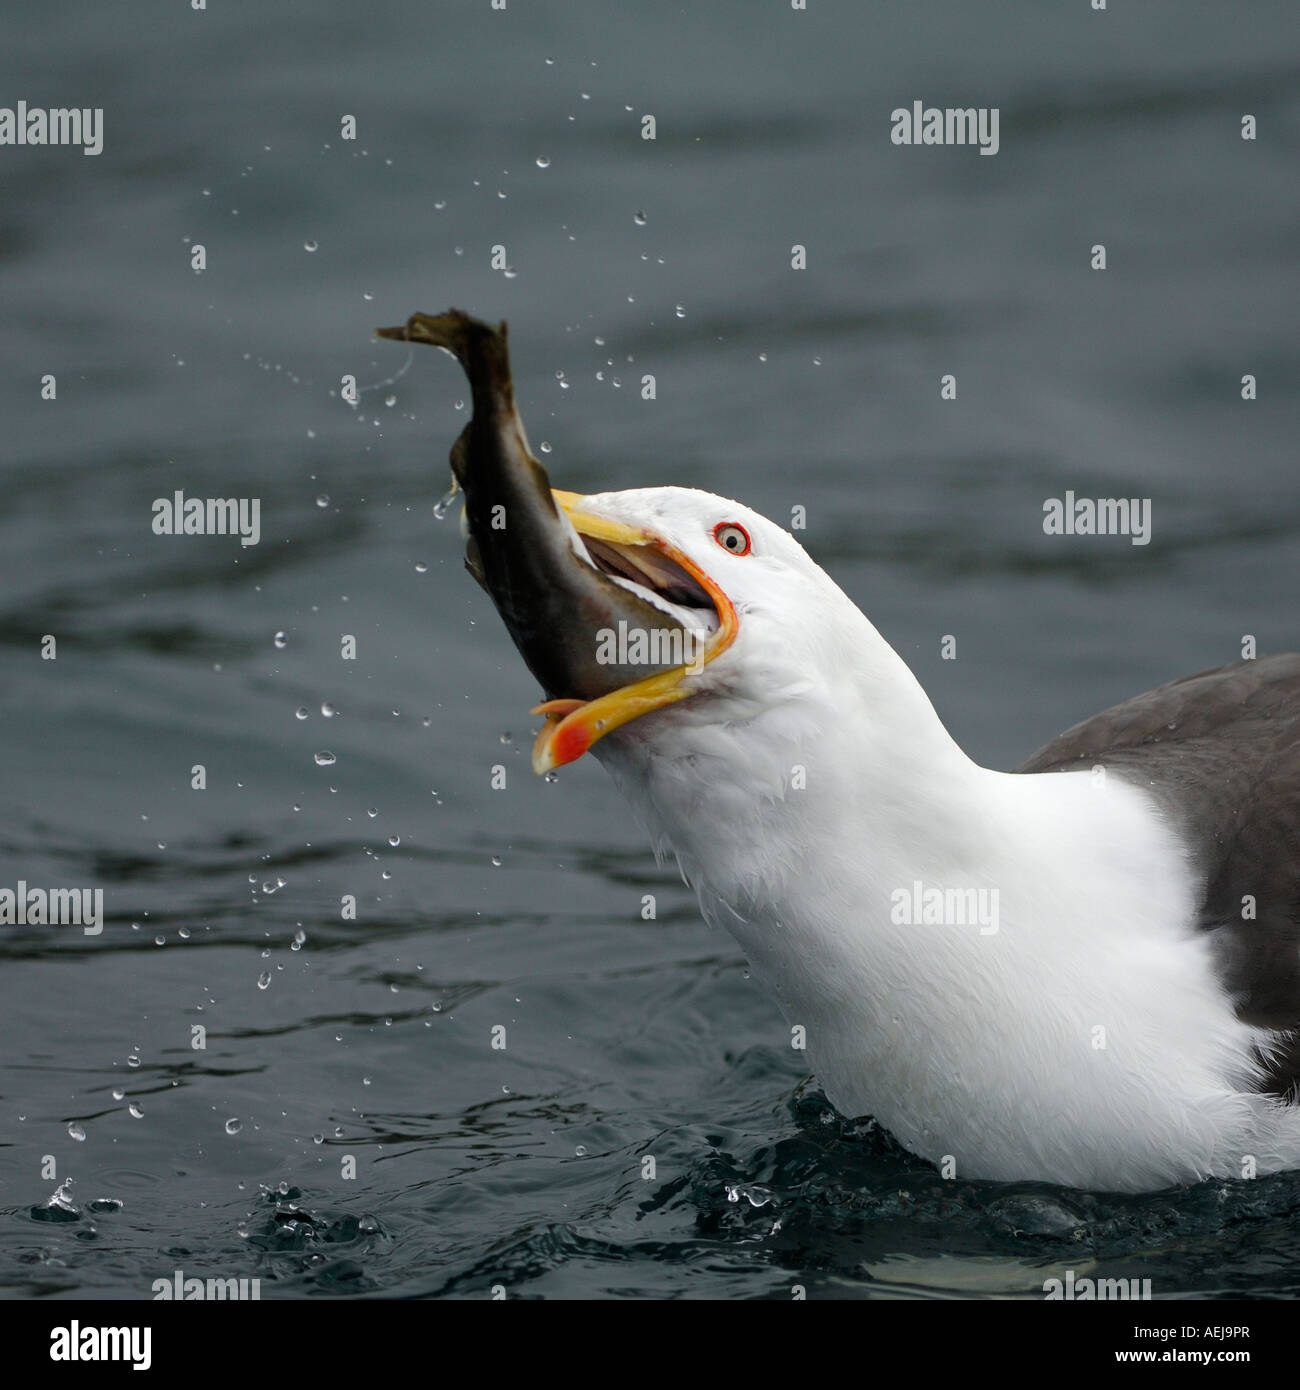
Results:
<point x="646" y="564"/>
<point x="657" y="578"/>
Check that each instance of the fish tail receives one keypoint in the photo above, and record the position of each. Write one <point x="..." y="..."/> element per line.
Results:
<point x="482" y="350"/>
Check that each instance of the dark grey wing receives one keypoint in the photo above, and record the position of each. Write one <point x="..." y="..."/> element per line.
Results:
<point x="1220" y="751"/>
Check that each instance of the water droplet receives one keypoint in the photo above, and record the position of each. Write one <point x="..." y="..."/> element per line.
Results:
<point x="233" y="1126"/>
<point x="507" y="737"/>
<point x="445" y="501"/>
<point x="184" y="933"/>
<point x="421" y="567"/>
<point x="543" y="162"/>
<point x="679" y="310"/>
<point x="390" y="401"/>
<point x="118" y="1093"/>
<point x="159" y="940"/>
<point x="328" y="710"/>
<point x="440" y="204"/>
<point x="301" y="712"/>
<point x="310" y="245"/>
<point x="762" y="357"/>
<point x="323" y="500"/>
<point x="817" y="361"/>
<point x="325" y="759"/>
<point x="639" y="218"/>
<point x="394" y="840"/>
<point x="76" y="1132"/>
<point x="281" y="640"/>
<point x="581" y="1150"/>
<point x="135" y="1110"/>
<point x="299" y="937"/>
<point x="264" y="980"/>
<point x="551" y="777"/>
<point x="496" y="861"/>
<point x="133" y="1060"/>
<point x="365" y="294"/>
<point x="61" y="1201"/>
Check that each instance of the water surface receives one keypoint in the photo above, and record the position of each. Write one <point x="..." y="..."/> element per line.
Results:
<point x="818" y="388"/>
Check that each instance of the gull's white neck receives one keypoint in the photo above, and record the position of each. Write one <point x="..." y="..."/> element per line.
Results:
<point x="1073" y="1032"/>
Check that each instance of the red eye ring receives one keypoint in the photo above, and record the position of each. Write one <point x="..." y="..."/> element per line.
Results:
<point x="732" y="537"/>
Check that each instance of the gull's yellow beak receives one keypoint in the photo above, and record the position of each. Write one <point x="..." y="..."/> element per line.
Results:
<point x="572" y="726"/>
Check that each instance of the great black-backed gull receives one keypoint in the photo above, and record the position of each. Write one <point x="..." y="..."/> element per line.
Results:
<point x="1085" y="972"/>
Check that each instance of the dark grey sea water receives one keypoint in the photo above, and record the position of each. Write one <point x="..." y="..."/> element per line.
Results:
<point x="367" y="1043"/>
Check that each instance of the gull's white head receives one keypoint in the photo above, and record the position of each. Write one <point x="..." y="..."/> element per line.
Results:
<point x="774" y="626"/>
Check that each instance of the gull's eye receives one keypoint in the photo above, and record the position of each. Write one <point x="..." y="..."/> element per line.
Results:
<point x="732" y="536"/>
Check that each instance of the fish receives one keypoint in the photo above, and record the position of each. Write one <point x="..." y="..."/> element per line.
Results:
<point x="607" y="621"/>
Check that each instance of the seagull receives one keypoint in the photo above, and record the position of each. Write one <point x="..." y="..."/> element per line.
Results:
<point x="1084" y="972"/>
